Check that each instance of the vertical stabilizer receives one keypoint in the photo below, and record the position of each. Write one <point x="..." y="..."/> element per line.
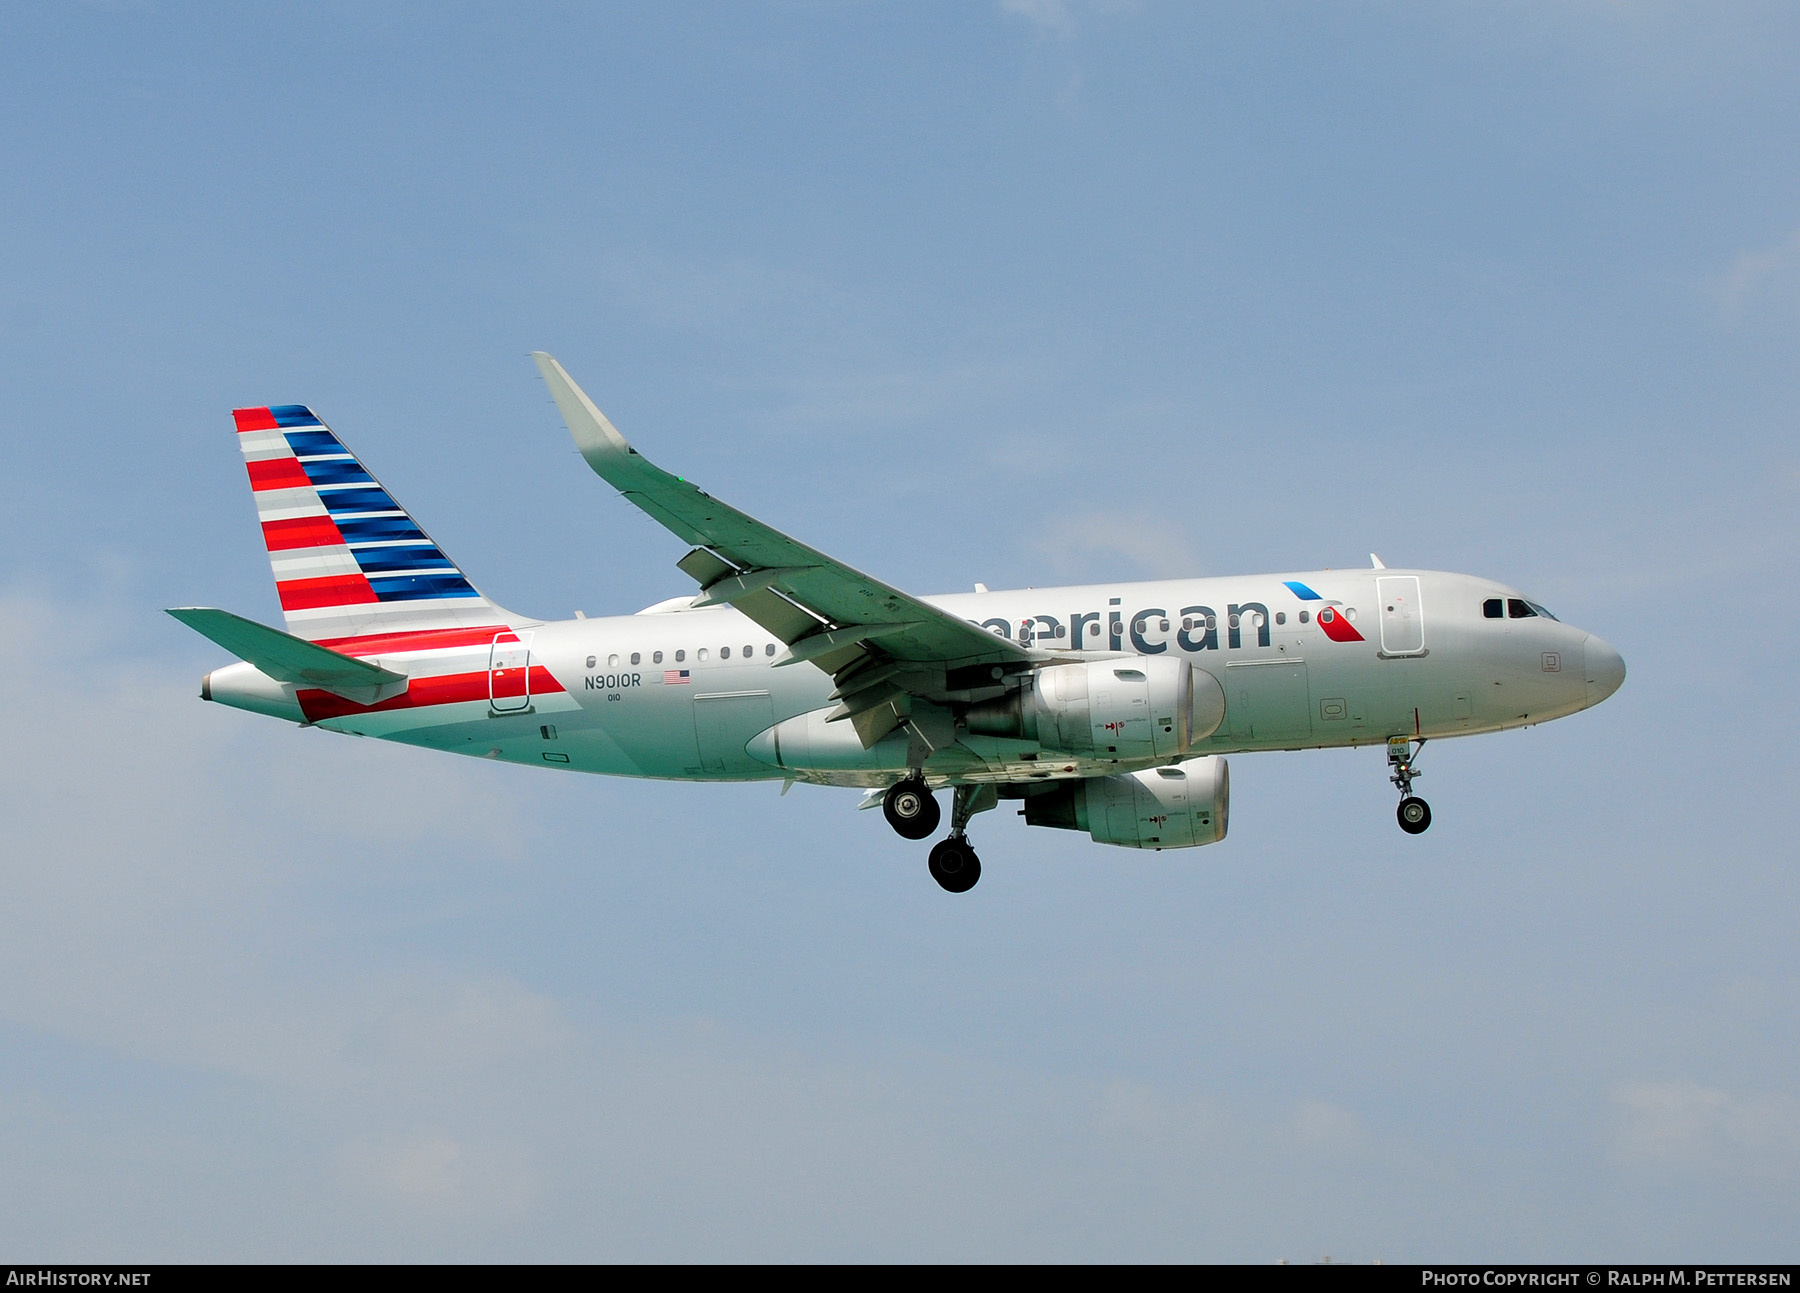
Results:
<point x="349" y="562"/>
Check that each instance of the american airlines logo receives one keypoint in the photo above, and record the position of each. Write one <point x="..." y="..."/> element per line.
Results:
<point x="1194" y="628"/>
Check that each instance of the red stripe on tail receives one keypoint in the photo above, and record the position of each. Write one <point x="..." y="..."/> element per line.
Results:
<point x="254" y="420"/>
<point x="331" y="590"/>
<point x="301" y="532"/>
<point x="277" y="473"/>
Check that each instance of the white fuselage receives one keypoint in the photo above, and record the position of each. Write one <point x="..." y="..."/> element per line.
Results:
<point x="697" y="694"/>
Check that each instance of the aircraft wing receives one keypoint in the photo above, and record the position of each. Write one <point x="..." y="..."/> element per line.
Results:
<point x="886" y="649"/>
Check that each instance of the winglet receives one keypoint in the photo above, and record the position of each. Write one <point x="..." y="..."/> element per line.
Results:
<point x="1376" y="563"/>
<point x="599" y="441"/>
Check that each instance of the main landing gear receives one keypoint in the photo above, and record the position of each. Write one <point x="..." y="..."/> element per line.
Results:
<point x="1414" y="813"/>
<point x="954" y="864"/>
<point x="912" y="810"/>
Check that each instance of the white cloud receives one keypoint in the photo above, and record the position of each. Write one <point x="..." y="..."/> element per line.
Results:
<point x="1138" y="1109"/>
<point x="1685" y="1127"/>
<point x="1061" y="18"/>
<point x="1318" y="1125"/>
<point x="1090" y="546"/>
<point x="707" y="294"/>
<point x="439" y="1175"/>
<point x="1760" y="276"/>
<point x="1050" y="17"/>
<point x="945" y="395"/>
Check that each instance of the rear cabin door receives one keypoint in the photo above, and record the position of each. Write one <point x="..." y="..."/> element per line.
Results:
<point x="509" y="674"/>
<point x="1402" y="615"/>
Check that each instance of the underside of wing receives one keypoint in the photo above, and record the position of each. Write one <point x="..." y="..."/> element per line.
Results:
<point x="893" y="657"/>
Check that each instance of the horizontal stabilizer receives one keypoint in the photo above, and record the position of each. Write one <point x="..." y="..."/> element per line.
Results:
<point x="287" y="658"/>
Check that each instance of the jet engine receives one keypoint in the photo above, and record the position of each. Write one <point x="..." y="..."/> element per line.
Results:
<point x="1177" y="807"/>
<point x="1141" y="707"/>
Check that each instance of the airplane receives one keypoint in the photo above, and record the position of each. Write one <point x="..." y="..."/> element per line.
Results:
<point x="1104" y="708"/>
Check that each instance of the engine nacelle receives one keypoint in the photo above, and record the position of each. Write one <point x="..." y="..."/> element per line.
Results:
<point x="1144" y="707"/>
<point x="1178" y="807"/>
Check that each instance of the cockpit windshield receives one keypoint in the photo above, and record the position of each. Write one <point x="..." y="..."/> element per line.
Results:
<point x="1513" y="608"/>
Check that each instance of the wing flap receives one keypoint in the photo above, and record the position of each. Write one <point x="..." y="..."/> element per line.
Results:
<point x="778" y="615"/>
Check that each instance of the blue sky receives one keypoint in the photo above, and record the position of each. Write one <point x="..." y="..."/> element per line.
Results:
<point x="1023" y="293"/>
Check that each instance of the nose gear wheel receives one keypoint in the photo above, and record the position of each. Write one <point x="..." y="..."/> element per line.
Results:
<point x="1414" y="814"/>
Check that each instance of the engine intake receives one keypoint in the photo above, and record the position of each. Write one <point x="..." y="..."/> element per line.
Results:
<point x="1142" y="707"/>
<point x="1177" y="807"/>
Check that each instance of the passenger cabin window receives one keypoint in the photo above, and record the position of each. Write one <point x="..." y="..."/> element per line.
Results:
<point x="590" y="662"/>
<point x="1306" y="617"/>
<point x="656" y="657"/>
<point x="724" y="653"/>
<point x="769" y="649"/>
<point x="637" y="657"/>
<point x="1517" y="608"/>
<point x="749" y="651"/>
<point x="700" y="654"/>
<point x="680" y="656"/>
<point x="1281" y="617"/>
<point x="612" y="662"/>
<point x="1490" y="609"/>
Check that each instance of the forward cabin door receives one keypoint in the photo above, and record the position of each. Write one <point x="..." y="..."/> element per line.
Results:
<point x="1402" y="615"/>
<point x="509" y="674"/>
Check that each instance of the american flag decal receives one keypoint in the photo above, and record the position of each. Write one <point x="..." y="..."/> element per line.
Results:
<point x="675" y="676"/>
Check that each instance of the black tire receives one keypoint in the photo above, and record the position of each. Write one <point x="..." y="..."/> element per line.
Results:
<point x="1414" y="815"/>
<point x="911" y="810"/>
<point x="954" y="865"/>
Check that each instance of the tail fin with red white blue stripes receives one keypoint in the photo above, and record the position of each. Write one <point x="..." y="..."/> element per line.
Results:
<point x="349" y="562"/>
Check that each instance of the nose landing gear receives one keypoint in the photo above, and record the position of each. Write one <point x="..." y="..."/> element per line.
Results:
<point x="1414" y="814"/>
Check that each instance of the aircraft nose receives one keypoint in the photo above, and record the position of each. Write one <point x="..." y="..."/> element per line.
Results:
<point x="1605" y="669"/>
